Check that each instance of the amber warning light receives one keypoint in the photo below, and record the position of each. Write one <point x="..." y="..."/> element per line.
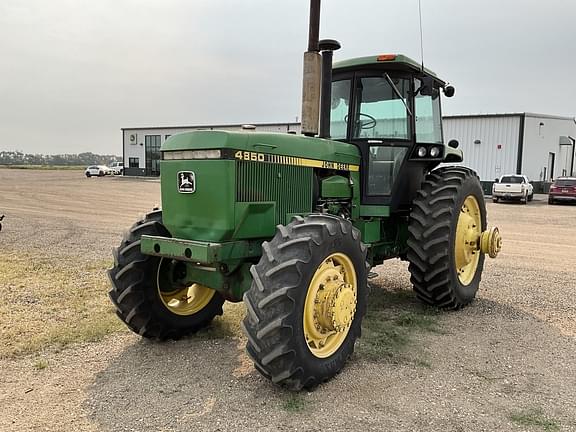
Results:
<point x="386" y="57"/>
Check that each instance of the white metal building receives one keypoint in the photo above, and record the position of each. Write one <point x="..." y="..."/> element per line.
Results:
<point x="539" y="146"/>
<point x="141" y="146"/>
<point x="542" y="147"/>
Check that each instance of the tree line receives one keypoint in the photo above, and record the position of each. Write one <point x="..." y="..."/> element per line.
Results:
<point x="87" y="158"/>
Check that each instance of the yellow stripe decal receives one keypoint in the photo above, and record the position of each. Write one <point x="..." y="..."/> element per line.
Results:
<point x="291" y="160"/>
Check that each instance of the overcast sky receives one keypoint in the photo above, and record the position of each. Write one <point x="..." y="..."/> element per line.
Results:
<point x="73" y="72"/>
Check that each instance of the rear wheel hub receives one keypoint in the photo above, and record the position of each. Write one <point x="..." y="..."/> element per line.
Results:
<point x="471" y="241"/>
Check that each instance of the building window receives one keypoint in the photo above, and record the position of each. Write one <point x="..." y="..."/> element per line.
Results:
<point x="152" y="148"/>
<point x="133" y="162"/>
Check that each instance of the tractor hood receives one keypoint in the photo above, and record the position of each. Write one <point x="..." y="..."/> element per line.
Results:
<point x="230" y="143"/>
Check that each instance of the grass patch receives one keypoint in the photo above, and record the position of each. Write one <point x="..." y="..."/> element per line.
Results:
<point x="535" y="418"/>
<point x="50" y="303"/>
<point x="40" y="364"/>
<point x="392" y="320"/>
<point x="227" y="325"/>
<point x="294" y="403"/>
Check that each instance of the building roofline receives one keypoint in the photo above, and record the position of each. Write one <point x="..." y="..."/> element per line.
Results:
<point x="455" y="116"/>
<point x="549" y="116"/>
<point x="517" y="114"/>
<point x="239" y="125"/>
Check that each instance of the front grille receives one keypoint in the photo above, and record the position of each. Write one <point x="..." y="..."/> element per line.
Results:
<point x="289" y="186"/>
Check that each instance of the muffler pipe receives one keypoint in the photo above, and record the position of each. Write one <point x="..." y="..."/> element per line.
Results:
<point x="312" y="75"/>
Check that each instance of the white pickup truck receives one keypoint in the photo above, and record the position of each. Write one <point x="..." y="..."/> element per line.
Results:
<point x="512" y="187"/>
<point x="117" y="168"/>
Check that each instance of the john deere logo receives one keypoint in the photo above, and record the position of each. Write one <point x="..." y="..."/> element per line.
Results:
<point x="186" y="182"/>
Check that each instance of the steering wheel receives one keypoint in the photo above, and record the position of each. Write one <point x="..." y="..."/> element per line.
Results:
<point x="366" y="124"/>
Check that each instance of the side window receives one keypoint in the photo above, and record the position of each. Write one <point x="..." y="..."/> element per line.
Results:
<point x="428" y="118"/>
<point x="134" y="162"/>
<point x="339" y="109"/>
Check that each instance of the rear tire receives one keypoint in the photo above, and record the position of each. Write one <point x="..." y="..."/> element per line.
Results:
<point x="139" y="280"/>
<point x="88" y="175"/>
<point x="495" y="199"/>
<point x="279" y="301"/>
<point x="432" y="248"/>
<point x="550" y="200"/>
<point x="531" y="197"/>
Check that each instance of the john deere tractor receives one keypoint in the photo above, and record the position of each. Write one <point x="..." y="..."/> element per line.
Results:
<point x="292" y="224"/>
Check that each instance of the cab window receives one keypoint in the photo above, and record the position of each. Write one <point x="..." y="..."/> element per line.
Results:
<point x="428" y="118"/>
<point x="384" y="166"/>
<point x="339" y="109"/>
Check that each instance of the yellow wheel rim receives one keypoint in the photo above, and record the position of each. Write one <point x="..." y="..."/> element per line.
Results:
<point x="330" y="305"/>
<point x="466" y="243"/>
<point x="183" y="300"/>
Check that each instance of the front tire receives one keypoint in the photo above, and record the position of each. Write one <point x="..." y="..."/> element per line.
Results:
<point x="147" y="293"/>
<point x="448" y="215"/>
<point x="307" y="301"/>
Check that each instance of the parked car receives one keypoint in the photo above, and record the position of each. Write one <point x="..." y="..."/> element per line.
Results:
<point x="117" y="168"/>
<point x="563" y="189"/>
<point x="97" y="170"/>
<point x="512" y="187"/>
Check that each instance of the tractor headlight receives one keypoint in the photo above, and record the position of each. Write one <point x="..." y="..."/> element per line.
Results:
<point x="421" y="151"/>
<point x="192" y="154"/>
<point x="434" y="152"/>
<point x="207" y="154"/>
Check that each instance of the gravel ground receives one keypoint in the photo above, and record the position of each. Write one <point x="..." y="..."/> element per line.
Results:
<point x="506" y="363"/>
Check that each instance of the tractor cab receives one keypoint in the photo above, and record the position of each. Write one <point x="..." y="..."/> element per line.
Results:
<point x="389" y="107"/>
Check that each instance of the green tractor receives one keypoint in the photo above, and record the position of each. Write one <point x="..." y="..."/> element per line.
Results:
<point x="292" y="224"/>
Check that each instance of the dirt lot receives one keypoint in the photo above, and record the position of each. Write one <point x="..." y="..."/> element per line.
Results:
<point x="506" y="363"/>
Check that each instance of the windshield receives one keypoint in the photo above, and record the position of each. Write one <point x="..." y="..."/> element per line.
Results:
<point x="512" y="179"/>
<point x="565" y="182"/>
<point x="381" y="113"/>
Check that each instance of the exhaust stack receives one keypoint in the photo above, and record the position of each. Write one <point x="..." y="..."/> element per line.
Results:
<point x="327" y="47"/>
<point x="312" y="75"/>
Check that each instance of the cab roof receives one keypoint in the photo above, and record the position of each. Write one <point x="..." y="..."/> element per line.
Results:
<point x="389" y="61"/>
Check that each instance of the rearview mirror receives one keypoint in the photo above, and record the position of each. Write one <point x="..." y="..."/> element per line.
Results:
<point x="496" y="181"/>
<point x="427" y="88"/>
